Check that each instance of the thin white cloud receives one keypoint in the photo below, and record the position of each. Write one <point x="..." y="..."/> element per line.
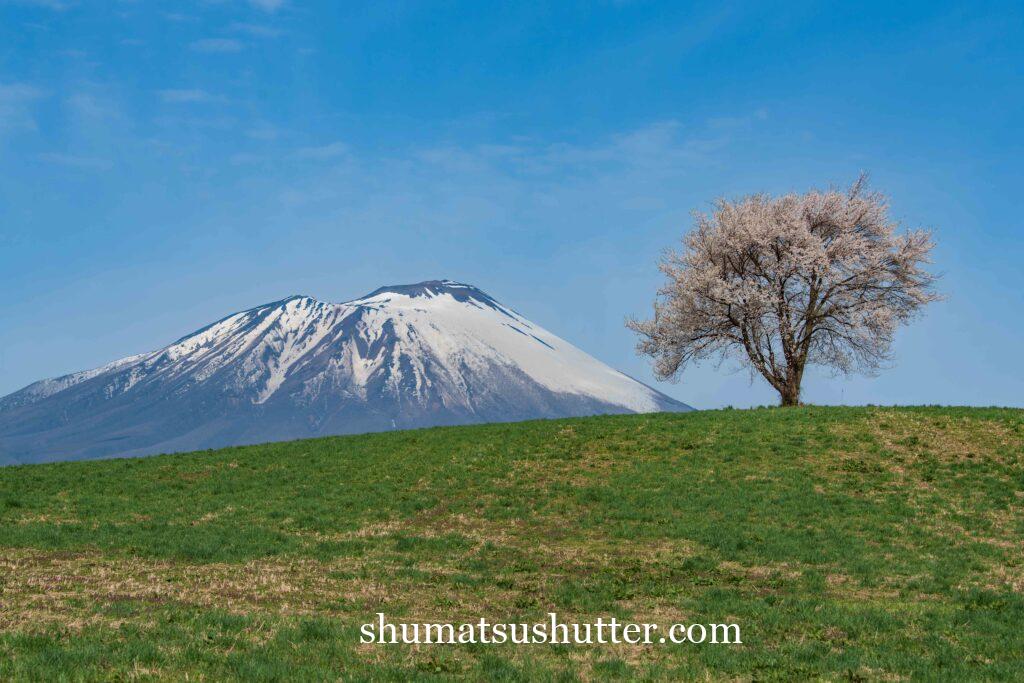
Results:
<point x="245" y="159"/>
<point x="188" y="96"/>
<point x="48" y="4"/>
<point x="177" y="123"/>
<point x="608" y="182"/>
<point x="256" y="30"/>
<point x="331" y="151"/>
<point x="743" y="121"/>
<point x="264" y="131"/>
<point x="16" y="102"/>
<point x="267" y="5"/>
<point x="74" y="161"/>
<point x="217" y="45"/>
<point x="92" y="106"/>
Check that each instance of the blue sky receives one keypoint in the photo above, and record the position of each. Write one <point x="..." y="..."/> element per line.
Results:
<point x="167" y="163"/>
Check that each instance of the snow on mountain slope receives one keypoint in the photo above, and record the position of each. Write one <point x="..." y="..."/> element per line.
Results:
<point x="48" y="387"/>
<point x="437" y="352"/>
<point x="453" y="331"/>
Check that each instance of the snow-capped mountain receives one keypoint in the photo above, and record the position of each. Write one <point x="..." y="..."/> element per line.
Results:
<point x="433" y="353"/>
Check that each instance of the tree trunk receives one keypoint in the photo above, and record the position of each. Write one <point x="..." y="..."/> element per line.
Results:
<point x="790" y="392"/>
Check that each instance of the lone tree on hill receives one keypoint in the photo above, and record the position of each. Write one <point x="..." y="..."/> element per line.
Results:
<point x="780" y="282"/>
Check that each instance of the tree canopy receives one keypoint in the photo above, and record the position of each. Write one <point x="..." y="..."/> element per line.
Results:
<point x="782" y="282"/>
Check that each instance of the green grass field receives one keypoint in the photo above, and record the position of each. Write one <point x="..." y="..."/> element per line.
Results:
<point x="849" y="544"/>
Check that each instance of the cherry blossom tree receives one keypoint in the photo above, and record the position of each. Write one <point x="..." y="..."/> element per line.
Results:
<point x="778" y="283"/>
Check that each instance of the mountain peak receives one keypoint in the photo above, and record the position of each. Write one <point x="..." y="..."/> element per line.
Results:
<point x="431" y="288"/>
<point x="460" y="291"/>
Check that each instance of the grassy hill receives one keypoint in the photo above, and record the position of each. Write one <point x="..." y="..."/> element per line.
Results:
<point x="859" y="544"/>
